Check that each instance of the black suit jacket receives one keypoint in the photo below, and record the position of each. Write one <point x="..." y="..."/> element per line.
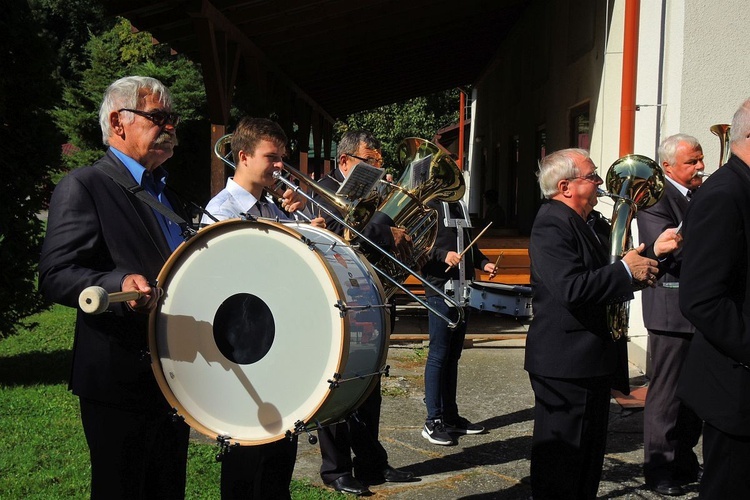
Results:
<point x="97" y="233"/>
<point x="573" y="282"/>
<point x="715" y="297"/>
<point x="661" y="305"/>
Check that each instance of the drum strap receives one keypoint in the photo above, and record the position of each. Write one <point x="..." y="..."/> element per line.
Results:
<point x="137" y="190"/>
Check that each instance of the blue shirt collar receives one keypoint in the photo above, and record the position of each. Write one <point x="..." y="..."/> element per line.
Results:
<point x="137" y="170"/>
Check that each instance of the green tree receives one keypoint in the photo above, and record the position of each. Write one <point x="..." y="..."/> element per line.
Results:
<point x="29" y="155"/>
<point x="417" y="117"/>
<point x="120" y="52"/>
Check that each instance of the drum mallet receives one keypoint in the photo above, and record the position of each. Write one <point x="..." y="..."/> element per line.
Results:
<point x="96" y="300"/>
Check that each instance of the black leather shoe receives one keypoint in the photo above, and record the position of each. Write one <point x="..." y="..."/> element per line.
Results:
<point x="693" y="477"/>
<point x="666" y="487"/>
<point x="348" y="484"/>
<point x="387" y="474"/>
<point x="392" y="475"/>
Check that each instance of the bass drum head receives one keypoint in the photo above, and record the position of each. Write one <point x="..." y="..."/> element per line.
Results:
<point x="247" y="333"/>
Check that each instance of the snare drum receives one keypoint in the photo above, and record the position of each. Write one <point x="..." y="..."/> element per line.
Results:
<point x="266" y="328"/>
<point x="511" y="300"/>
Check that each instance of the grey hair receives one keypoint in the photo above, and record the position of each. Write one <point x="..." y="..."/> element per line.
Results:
<point x="125" y="93"/>
<point x="740" y="123"/>
<point x="558" y="166"/>
<point x="349" y="143"/>
<point x="668" y="147"/>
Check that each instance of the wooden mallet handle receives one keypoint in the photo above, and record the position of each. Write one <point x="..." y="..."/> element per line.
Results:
<point x="96" y="300"/>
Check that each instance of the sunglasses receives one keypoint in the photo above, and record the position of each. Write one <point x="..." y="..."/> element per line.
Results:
<point x="159" y="117"/>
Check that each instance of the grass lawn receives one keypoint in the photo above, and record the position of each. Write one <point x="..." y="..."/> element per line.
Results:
<point x="43" y="452"/>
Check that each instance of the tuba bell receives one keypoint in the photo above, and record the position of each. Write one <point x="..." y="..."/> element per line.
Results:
<point x="429" y="173"/>
<point x="634" y="182"/>
<point x="721" y="130"/>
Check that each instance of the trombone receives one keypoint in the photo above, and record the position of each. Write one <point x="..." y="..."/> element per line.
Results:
<point x="353" y="216"/>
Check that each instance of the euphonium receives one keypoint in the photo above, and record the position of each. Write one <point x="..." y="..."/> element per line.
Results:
<point x="429" y="174"/>
<point x="721" y="130"/>
<point x="634" y="182"/>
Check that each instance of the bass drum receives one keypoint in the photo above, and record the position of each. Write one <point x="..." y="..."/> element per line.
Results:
<point x="267" y="329"/>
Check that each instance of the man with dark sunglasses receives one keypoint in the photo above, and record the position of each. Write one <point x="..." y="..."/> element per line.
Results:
<point x="101" y="233"/>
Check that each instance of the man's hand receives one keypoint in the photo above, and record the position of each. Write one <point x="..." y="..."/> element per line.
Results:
<point x="403" y="244"/>
<point x="642" y="268"/>
<point x="291" y="201"/>
<point x="667" y="242"/>
<point x="150" y="295"/>
<point x="319" y="222"/>
<point x="452" y="259"/>
<point x="490" y="268"/>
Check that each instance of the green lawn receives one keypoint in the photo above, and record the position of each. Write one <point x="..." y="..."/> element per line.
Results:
<point x="43" y="452"/>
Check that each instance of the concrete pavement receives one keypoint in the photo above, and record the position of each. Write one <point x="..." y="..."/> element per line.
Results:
<point x="494" y="390"/>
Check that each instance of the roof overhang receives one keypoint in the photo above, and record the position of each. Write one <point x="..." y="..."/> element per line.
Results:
<point x="337" y="56"/>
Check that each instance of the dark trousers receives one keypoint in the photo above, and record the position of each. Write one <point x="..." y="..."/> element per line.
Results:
<point x="259" y="472"/>
<point x="441" y="368"/>
<point x="726" y="465"/>
<point x="670" y="429"/>
<point x="570" y="436"/>
<point x="134" y="454"/>
<point x="358" y="435"/>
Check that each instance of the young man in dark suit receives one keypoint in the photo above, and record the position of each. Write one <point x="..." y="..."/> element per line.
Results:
<point x="670" y="429"/>
<point x="100" y="234"/>
<point x="715" y="297"/>
<point x="571" y="357"/>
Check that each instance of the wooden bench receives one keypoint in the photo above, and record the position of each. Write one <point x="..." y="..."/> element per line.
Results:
<point x="513" y="269"/>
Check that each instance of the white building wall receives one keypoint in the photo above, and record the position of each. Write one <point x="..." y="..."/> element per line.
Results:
<point x="692" y="73"/>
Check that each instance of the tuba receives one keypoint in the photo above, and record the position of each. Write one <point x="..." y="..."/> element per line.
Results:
<point x="634" y="182"/>
<point x="429" y="174"/>
<point x="721" y="130"/>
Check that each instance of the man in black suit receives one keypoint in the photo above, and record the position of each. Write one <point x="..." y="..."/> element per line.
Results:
<point x="359" y="434"/>
<point x="715" y="297"/>
<point x="571" y="357"/>
<point x="100" y="234"/>
<point x="670" y="429"/>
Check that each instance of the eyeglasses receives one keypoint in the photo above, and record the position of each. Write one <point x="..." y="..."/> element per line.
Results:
<point x="159" y="117"/>
<point x="593" y="177"/>
<point x="375" y="162"/>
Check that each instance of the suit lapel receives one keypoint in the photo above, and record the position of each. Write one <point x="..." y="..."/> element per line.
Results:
<point x="147" y="223"/>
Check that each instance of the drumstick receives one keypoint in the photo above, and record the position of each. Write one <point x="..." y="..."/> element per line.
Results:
<point x="494" y="268"/>
<point x="461" y="255"/>
<point x="96" y="300"/>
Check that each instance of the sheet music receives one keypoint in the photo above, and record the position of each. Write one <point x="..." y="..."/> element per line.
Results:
<point x="420" y="171"/>
<point x="360" y="181"/>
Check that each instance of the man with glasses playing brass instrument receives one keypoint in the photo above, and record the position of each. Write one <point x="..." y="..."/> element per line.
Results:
<point x="359" y="434"/>
<point x="571" y="357"/>
<point x="670" y="428"/>
<point x="100" y="232"/>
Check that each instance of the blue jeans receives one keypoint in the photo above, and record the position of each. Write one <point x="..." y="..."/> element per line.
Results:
<point x="441" y="369"/>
